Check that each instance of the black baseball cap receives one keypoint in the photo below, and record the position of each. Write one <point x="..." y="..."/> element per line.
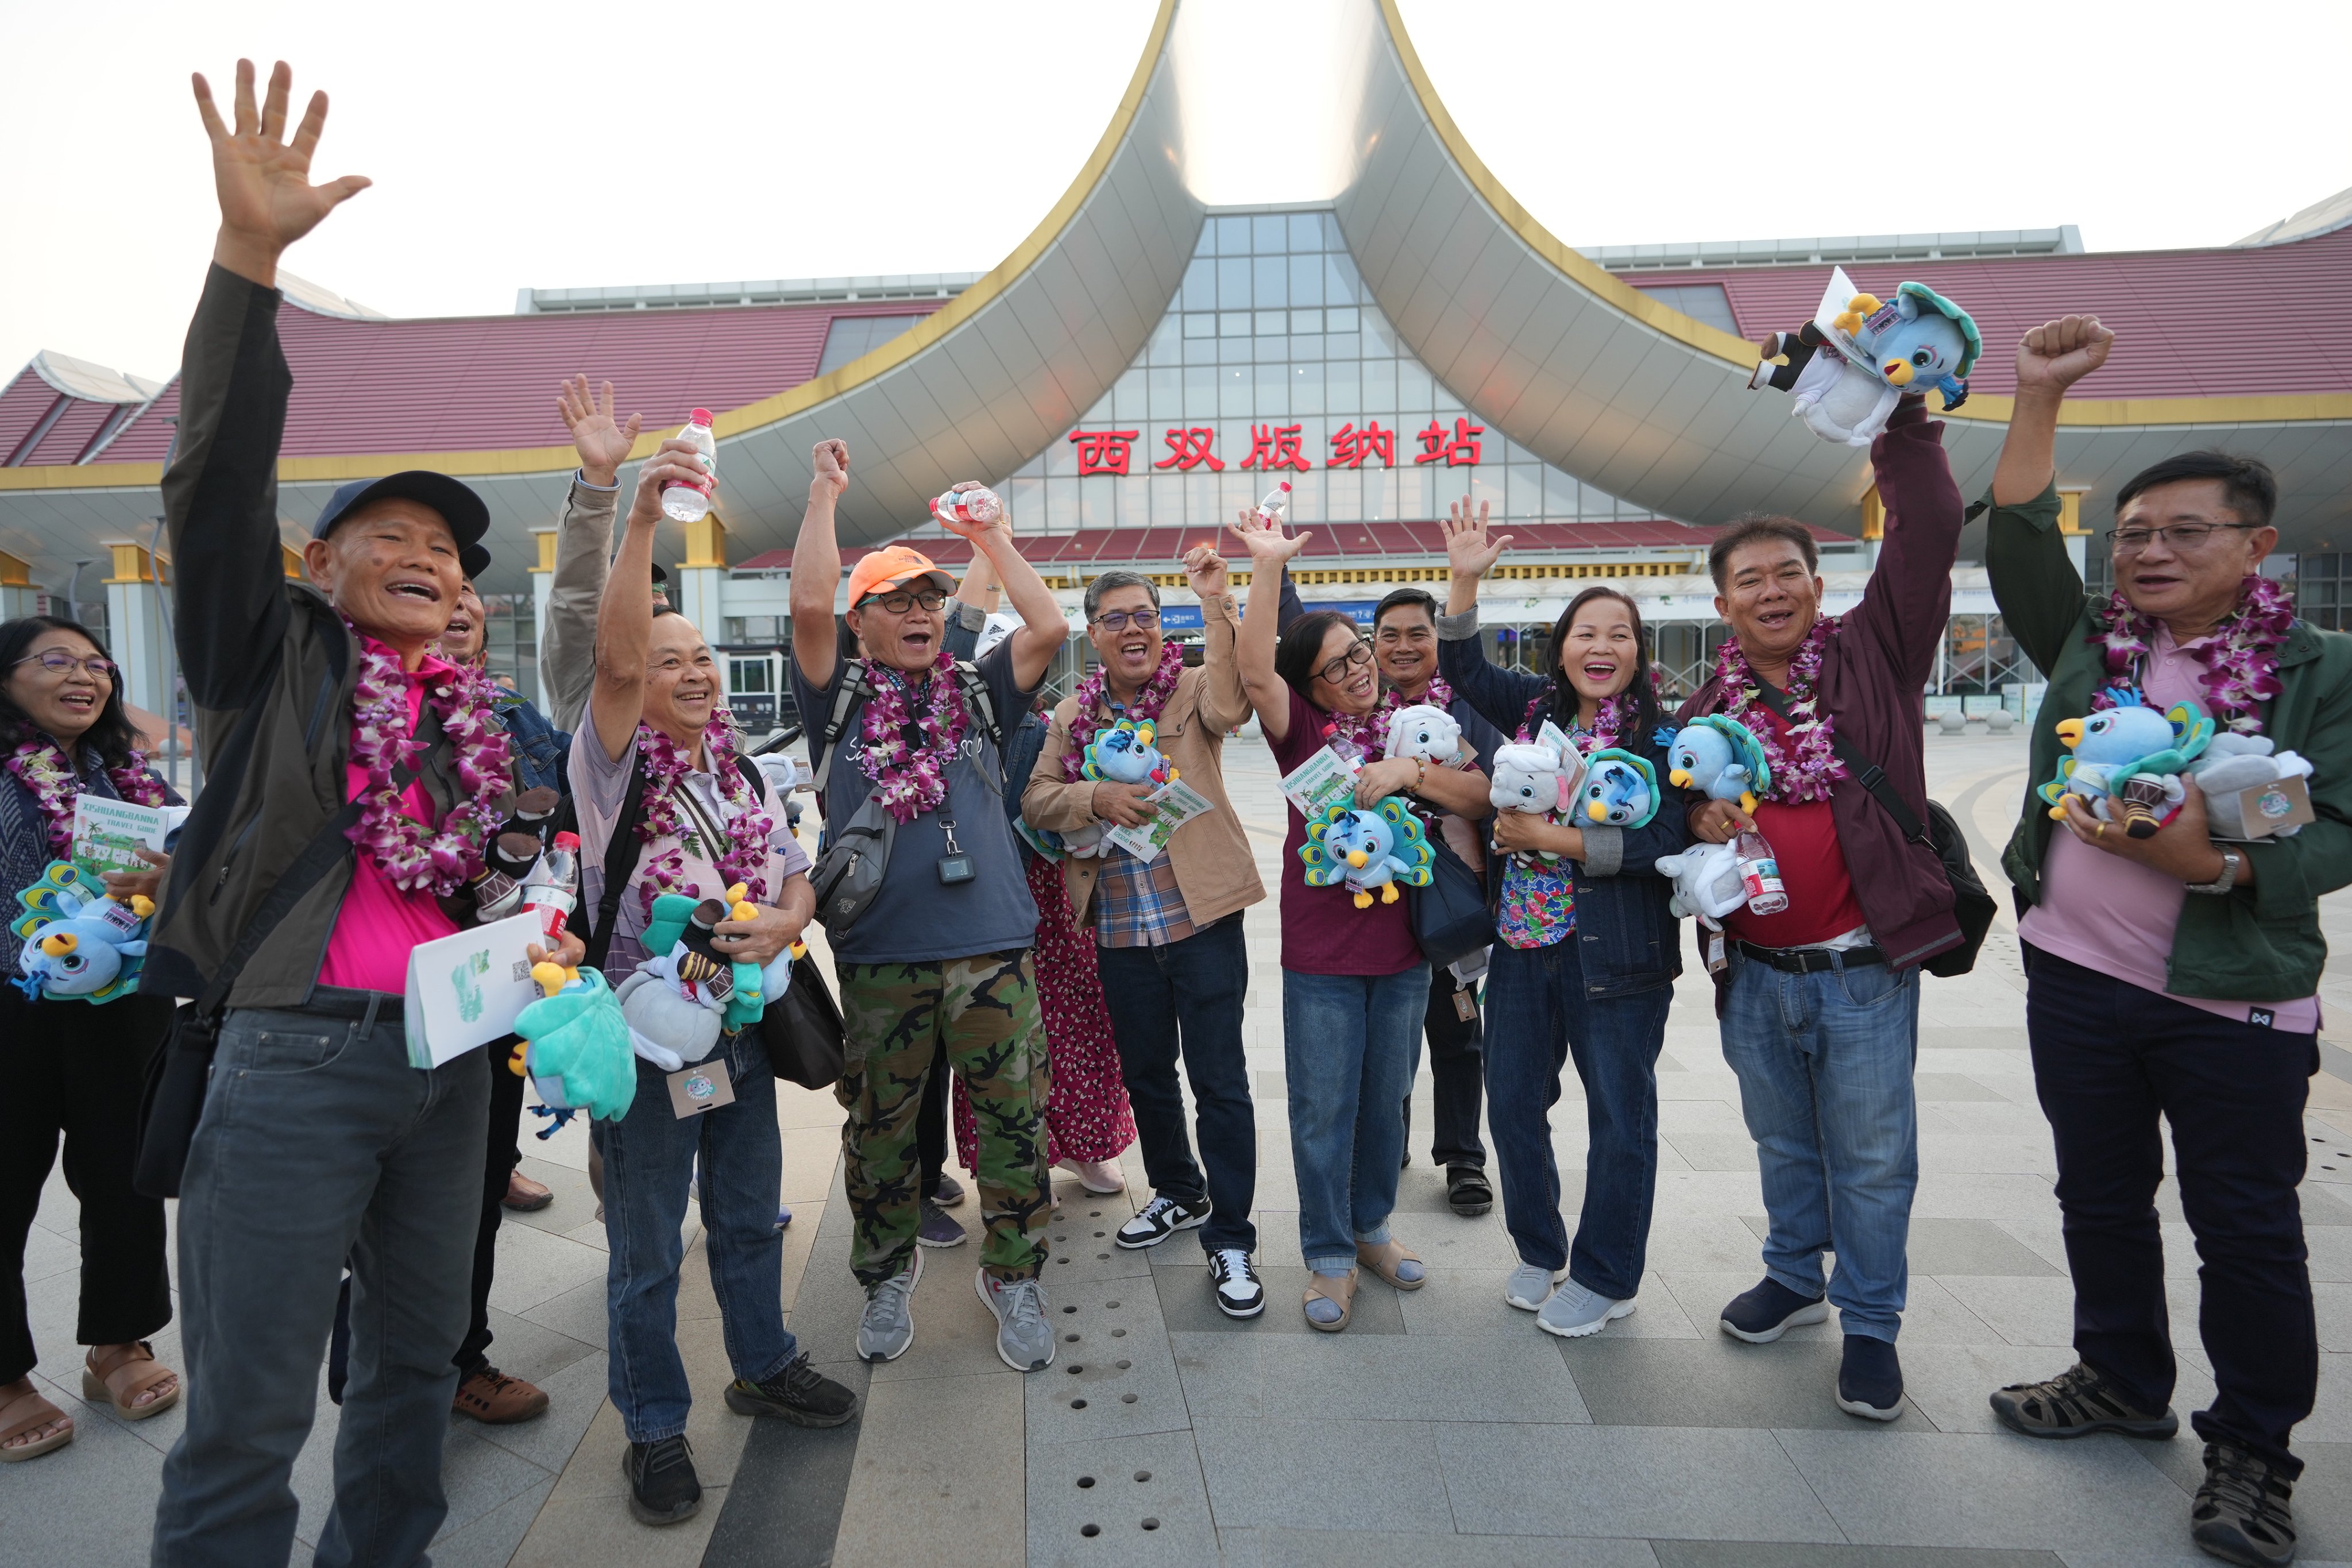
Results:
<point x="459" y="506"/>
<point x="473" y="560"/>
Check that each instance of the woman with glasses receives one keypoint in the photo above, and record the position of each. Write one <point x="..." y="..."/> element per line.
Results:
<point x="1355" y="985"/>
<point x="67" y="1067"/>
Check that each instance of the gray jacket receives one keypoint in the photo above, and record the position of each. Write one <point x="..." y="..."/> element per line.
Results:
<point x="583" y="559"/>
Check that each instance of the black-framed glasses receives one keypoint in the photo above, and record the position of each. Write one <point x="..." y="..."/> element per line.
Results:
<point x="56" y="661"/>
<point x="1359" y="652"/>
<point x="2188" y="537"/>
<point x="1119" y="620"/>
<point x="904" y="600"/>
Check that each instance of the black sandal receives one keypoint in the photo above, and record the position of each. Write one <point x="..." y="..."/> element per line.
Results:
<point x="1467" y="1190"/>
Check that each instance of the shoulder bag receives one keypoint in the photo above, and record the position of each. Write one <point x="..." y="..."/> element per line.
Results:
<point x="1450" y="918"/>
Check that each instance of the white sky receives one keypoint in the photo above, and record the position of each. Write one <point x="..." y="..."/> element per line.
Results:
<point x="597" y="143"/>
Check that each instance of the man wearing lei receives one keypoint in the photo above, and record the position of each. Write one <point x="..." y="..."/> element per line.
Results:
<point x="1168" y="931"/>
<point x="940" y="958"/>
<point x="318" y="1142"/>
<point x="2173" y="976"/>
<point x="1820" y="1002"/>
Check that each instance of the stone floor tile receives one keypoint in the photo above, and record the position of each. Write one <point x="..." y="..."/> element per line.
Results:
<point x="1449" y="1241"/>
<point x="1326" y="1474"/>
<point x="491" y="1541"/>
<point x="1423" y="1378"/>
<point x="953" y="1443"/>
<point x="478" y="1477"/>
<point x="530" y="1350"/>
<point x="1935" y="1088"/>
<point x="1278" y="1240"/>
<point x="1768" y="1555"/>
<point x="1114" y="1371"/>
<point x="2041" y="1311"/>
<point x="578" y="1314"/>
<point x="1469" y="1301"/>
<point x="1186" y="1307"/>
<point x="574" y="1394"/>
<point x="1719" y="1117"/>
<point x="1714" y="1150"/>
<point x="1715" y="1244"/>
<point x="1281" y="1548"/>
<point x="575" y="1201"/>
<point x="1137" y="1500"/>
<point x="534" y="1267"/>
<point x="91" y="1501"/>
<point x="1977" y="1154"/>
<point x="2324" y="1203"/>
<point x="1686" y="1482"/>
<point x="1896" y="1489"/>
<point x="46" y="1253"/>
<point x="1716" y="1381"/>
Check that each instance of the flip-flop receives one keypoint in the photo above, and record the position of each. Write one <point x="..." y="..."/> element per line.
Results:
<point x="126" y="1374"/>
<point x="22" y="1414"/>
<point x="1338" y="1290"/>
<point x="1383" y="1260"/>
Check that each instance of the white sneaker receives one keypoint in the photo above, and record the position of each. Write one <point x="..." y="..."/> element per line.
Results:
<point x="1099" y="1177"/>
<point x="1529" y="1286"/>
<point x="1574" y="1311"/>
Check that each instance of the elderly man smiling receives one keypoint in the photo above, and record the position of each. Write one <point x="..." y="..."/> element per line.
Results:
<point x="2173" y="976"/>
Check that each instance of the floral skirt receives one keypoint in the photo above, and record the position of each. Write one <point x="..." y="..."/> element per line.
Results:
<point x="1087" y="1115"/>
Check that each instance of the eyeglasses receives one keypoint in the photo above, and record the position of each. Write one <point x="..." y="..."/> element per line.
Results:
<point x="2186" y="537"/>
<point x="1359" y="652"/>
<point x="899" y="603"/>
<point x="1116" y="621"/>
<point x="61" y="663"/>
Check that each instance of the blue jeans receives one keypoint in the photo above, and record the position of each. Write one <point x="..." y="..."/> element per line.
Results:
<point x="320" y="1142"/>
<point x="1197" y="985"/>
<point x="1346" y="1041"/>
<point x="650" y="1160"/>
<point x="1824" y="1063"/>
<point x="1536" y="1016"/>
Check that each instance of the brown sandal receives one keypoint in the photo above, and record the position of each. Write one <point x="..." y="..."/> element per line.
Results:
<point x="1341" y="1291"/>
<point x="28" y="1412"/>
<point x="1383" y="1260"/>
<point x="127" y="1372"/>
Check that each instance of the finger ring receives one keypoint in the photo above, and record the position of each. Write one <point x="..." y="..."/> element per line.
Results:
<point x="2102" y="832"/>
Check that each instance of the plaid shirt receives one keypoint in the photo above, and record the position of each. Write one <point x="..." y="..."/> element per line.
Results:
<point x="1138" y="905"/>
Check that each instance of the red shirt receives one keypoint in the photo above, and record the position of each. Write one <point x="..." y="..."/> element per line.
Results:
<point x="1323" y="932"/>
<point x="1804" y="841"/>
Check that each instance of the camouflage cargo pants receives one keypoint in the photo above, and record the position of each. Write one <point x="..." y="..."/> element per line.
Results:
<point x="897" y="1016"/>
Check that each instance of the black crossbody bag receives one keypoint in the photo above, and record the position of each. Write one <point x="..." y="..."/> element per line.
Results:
<point x="1971" y="905"/>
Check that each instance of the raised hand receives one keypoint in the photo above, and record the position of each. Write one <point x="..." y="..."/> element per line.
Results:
<point x="2056" y="354"/>
<point x="1204" y="569"/>
<point x="263" y="181"/>
<point x="1470" y="550"/>
<point x="972" y="531"/>
<point x="603" y="445"/>
<point x="674" y="462"/>
<point x="831" y="461"/>
<point x="1268" y="549"/>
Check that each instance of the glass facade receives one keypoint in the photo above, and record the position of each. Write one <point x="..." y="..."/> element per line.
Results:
<point x="1273" y="363"/>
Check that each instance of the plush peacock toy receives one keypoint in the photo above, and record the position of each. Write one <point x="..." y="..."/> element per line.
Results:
<point x="1721" y="758"/>
<point x="2124" y="763"/>
<point x="80" y="943"/>
<point x="575" y="1047"/>
<point x="1126" y="753"/>
<point x="1365" y="849"/>
<point x="1620" y="790"/>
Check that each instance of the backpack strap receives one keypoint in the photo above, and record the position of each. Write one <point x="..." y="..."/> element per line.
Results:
<point x="979" y="699"/>
<point x="620" y="864"/>
<point x="856" y="686"/>
<point x="1866" y="773"/>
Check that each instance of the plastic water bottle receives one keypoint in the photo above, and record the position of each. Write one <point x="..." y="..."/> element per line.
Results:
<point x="553" y="888"/>
<point x="969" y="509"/>
<point x="1760" y="873"/>
<point x="1342" y="746"/>
<point x="1276" y="502"/>
<point x="692" y="503"/>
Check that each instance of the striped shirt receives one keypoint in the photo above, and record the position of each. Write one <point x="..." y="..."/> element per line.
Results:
<point x="1138" y="905"/>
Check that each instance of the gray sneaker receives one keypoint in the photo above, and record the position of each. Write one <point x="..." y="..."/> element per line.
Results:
<point x="937" y="1227"/>
<point x="1527" y="1287"/>
<point x="888" y="1326"/>
<point x="1574" y="1311"/>
<point x="1022" y="1337"/>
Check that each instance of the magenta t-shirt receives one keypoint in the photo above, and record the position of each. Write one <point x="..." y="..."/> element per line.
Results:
<point x="2114" y="915"/>
<point x="1323" y="932"/>
<point x="379" y="922"/>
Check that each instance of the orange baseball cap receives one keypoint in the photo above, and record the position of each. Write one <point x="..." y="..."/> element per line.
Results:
<point x="879" y="571"/>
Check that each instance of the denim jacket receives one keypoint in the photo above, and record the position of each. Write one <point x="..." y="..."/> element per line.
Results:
<point x="540" y="748"/>
<point x="1627" y="939"/>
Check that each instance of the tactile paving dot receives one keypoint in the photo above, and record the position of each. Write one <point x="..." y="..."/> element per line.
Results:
<point x="1164" y="1519"/>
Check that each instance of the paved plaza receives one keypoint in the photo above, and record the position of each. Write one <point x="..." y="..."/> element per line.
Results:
<point x="1442" y="1430"/>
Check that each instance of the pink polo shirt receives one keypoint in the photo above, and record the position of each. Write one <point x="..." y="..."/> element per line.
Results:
<point x="2117" y="916"/>
<point x="379" y="922"/>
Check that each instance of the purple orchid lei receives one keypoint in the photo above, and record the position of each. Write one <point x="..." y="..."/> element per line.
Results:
<point x="1148" y="703"/>
<point x="2240" y="655"/>
<point x="744" y="857"/>
<point x="910" y="784"/>
<point x="41" y="768"/>
<point x="411" y="854"/>
<point x="1612" y="719"/>
<point x="1370" y="732"/>
<point x="1805" y="767"/>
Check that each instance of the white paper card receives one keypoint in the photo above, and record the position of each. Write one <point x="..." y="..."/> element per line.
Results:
<point x="465" y="990"/>
<point x="1176" y="803"/>
<point x="1325" y="779"/>
<point x="108" y="833"/>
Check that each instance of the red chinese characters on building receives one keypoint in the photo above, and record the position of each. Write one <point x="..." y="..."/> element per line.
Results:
<point x="1190" y="449"/>
<point x="1460" y="447"/>
<point x="1275" y="446"/>
<point x="1350" y="447"/>
<point x="1103" y="451"/>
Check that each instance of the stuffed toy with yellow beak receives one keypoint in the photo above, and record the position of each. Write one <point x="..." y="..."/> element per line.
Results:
<point x="1848" y="367"/>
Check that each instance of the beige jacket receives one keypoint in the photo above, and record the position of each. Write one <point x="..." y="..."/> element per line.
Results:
<point x="1214" y="867"/>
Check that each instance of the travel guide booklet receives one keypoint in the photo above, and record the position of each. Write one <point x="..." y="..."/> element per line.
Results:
<point x="1176" y="804"/>
<point x="109" y="834"/>
<point x="466" y="989"/>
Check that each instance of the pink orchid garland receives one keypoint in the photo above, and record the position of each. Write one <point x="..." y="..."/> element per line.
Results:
<point x="41" y="768"/>
<point x="1370" y="732"/>
<point x="744" y="857"/>
<point x="1806" y="766"/>
<point x="910" y="784"/>
<point x="2240" y="655"/>
<point x="413" y="855"/>
<point x="1092" y="702"/>
<point x="1611" y="720"/>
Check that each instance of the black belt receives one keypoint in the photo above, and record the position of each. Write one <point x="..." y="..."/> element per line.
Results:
<point x="1812" y="960"/>
<point x="341" y="1002"/>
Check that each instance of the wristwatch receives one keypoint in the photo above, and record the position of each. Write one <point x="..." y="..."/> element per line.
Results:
<point x="2231" y="861"/>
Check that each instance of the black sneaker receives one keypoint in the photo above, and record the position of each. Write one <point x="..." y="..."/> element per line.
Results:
<point x="1161" y="1218"/>
<point x="1764" y="1314"/>
<point x="2240" y="1514"/>
<point x="1870" y="1379"/>
<point x="1234" y="1283"/>
<point x="799" y="1394"/>
<point x="663" y="1487"/>
<point x="2076" y="1401"/>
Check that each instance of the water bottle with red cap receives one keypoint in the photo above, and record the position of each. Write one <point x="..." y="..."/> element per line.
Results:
<point x="967" y="510"/>
<point x="1276" y="502"/>
<point x="553" y="888"/>
<point x="692" y="503"/>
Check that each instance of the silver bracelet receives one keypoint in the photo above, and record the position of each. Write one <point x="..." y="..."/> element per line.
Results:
<point x="2231" y="861"/>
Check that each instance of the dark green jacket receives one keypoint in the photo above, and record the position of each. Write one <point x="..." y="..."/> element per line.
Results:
<point x="2259" y="943"/>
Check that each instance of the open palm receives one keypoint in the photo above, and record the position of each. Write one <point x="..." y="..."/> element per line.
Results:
<point x="263" y="179"/>
<point x="1268" y="549"/>
<point x="604" y="445"/>
<point x="1470" y="549"/>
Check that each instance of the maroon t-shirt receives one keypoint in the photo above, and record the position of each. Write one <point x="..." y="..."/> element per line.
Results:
<point x="1323" y="932"/>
